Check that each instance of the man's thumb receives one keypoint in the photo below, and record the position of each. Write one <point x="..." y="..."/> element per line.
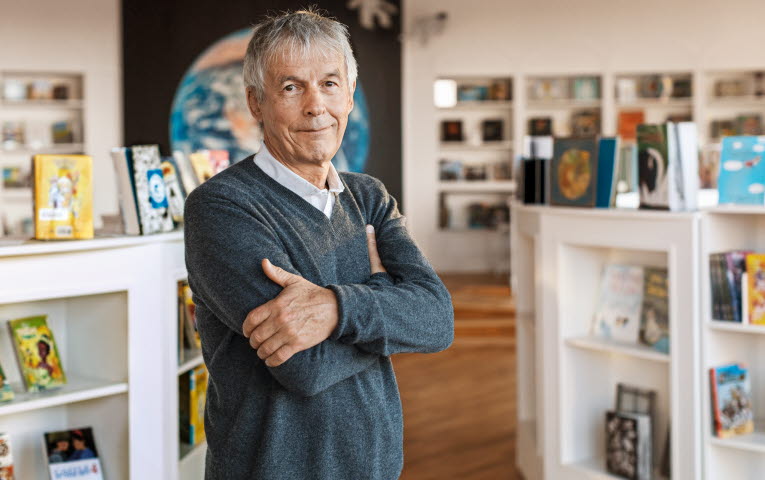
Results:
<point x="277" y="275"/>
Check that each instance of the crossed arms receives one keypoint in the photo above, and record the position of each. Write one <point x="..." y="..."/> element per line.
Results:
<point x="312" y="337"/>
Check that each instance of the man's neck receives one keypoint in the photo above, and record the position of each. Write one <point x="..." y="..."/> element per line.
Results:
<point x="315" y="174"/>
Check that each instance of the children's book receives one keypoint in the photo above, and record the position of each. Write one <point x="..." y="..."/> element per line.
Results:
<point x="37" y="353"/>
<point x="654" y="317"/>
<point x="731" y="400"/>
<point x="73" y="454"/>
<point x="6" y="457"/>
<point x="655" y="142"/>
<point x="150" y="190"/>
<point x="6" y="392"/>
<point x="755" y="271"/>
<point x="202" y="165"/>
<point x="617" y="316"/>
<point x="176" y="195"/>
<point x="192" y="394"/>
<point x="608" y="149"/>
<point x="742" y="171"/>
<point x="63" y="196"/>
<point x="573" y="180"/>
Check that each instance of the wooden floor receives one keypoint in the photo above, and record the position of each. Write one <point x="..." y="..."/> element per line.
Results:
<point x="459" y="405"/>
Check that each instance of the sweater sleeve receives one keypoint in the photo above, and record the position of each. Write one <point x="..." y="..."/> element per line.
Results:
<point x="415" y="314"/>
<point x="224" y="248"/>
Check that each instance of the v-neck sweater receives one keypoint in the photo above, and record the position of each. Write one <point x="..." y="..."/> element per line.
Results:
<point x="332" y="411"/>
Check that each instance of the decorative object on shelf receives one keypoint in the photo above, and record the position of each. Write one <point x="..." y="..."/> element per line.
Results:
<point x="14" y="178"/>
<point x="679" y="117"/>
<point x="550" y="89"/>
<point x="371" y="10"/>
<point x="626" y="90"/>
<point x="450" y="170"/>
<point x="472" y="93"/>
<point x="759" y="84"/>
<point x="62" y="132"/>
<point x="61" y="91"/>
<point x="731" y="400"/>
<point x="6" y="457"/>
<point x="617" y="316"/>
<point x="742" y="171"/>
<point x="73" y="454"/>
<point x="484" y="215"/>
<point x="176" y="196"/>
<point x="632" y="399"/>
<point x="502" y="171"/>
<point x="722" y="128"/>
<point x="14" y="90"/>
<point x="37" y="353"/>
<point x="540" y="126"/>
<point x="192" y="395"/>
<point x="628" y="445"/>
<point x="501" y="90"/>
<point x="13" y="134"/>
<point x="573" y="172"/>
<point x="654" y="315"/>
<point x="585" y="123"/>
<point x="755" y="272"/>
<point x="682" y="88"/>
<point x="608" y="149"/>
<point x="63" y="197"/>
<point x="6" y="392"/>
<point x="709" y="166"/>
<point x="150" y="190"/>
<point x="627" y="169"/>
<point x="475" y="172"/>
<point x="651" y="86"/>
<point x="40" y="89"/>
<point x="628" y="122"/>
<point x="451" y="131"/>
<point x="586" y="88"/>
<point x="749" y="124"/>
<point x="726" y="271"/>
<point x="445" y="93"/>
<point x="731" y="87"/>
<point x="491" y="130"/>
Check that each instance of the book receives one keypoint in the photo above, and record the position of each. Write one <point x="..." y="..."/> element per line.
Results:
<point x="668" y="166"/>
<point x="176" y="195"/>
<point x="189" y="179"/>
<point x="192" y="394"/>
<point x="150" y="190"/>
<point x="749" y="124"/>
<point x="534" y="172"/>
<point x="727" y="271"/>
<point x="626" y="90"/>
<point x="654" y="316"/>
<point x="200" y="162"/>
<point x="686" y="169"/>
<point x="626" y="170"/>
<point x="742" y="171"/>
<point x="608" y="148"/>
<point x="62" y="132"/>
<point x="629" y="445"/>
<point x="586" y="88"/>
<point x="617" y="315"/>
<point x="755" y="272"/>
<point x="218" y="160"/>
<point x="131" y="220"/>
<point x="190" y="320"/>
<point x="585" y="123"/>
<point x="37" y="353"/>
<point x="73" y="454"/>
<point x="63" y="196"/>
<point x="628" y="122"/>
<point x="722" y="128"/>
<point x="735" y="262"/>
<point x="6" y="392"/>
<point x="6" y="457"/>
<point x="731" y="400"/>
<point x="573" y="171"/>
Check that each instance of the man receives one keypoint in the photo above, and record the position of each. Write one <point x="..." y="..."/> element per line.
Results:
<point x="297" y="314"/>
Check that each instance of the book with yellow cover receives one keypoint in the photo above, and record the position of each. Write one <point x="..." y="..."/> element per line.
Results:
<point x="755" y="271"/>
<point x="37" y="353"/>
<point x="192" y="394"/>
<point x="63" y="196"/>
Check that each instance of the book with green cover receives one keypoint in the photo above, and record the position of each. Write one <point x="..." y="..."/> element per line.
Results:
<point x="37" y="353"/>
<point x="6" y="392"/>
<point x="654" y="145"/>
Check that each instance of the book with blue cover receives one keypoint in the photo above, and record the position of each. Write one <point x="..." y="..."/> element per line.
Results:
<point x="573" y="171"/>
<point x="617" y="315"/>
<point x="742" y="171"/>
<point x="731" y="400"/>
<point x="607" y="151"/>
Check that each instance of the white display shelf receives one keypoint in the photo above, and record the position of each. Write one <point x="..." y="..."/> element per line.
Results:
<point x="39" y="247"/>
<point x="477" y="186"/>
<point x="656" y="103"/>
<point x="76" y="390"/>
<point x="752" y="442"/>
<point x="594" y="468"/>
<point x="742" y="101"/>
<point x="194" y="360"/>
<point x="187" y="450"/>
<point x="191" y="466"/>
<point x="16" y="193"/>
<point x="488" y="146"/>
<point x="59" y="148"/>
<point x="736" y="327"/>
<point x="606" y="346"/>
<point x="480" y="105"/>
<point x="737" y="209"/>
<point x="562" y="104"/>
<point x="64" y="104"/>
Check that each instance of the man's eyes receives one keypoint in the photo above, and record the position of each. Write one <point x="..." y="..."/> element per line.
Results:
<point x="290" y="88"/>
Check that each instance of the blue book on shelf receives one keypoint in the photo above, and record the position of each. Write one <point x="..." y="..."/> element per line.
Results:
<point x="742" y="171"/>
<point x="607" y="151"/>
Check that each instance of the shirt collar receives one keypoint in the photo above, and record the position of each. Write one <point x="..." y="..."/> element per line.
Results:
<point x="291" y="180"/>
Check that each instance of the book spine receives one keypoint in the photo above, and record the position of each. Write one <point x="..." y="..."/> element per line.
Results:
<point x="716" y="422"/>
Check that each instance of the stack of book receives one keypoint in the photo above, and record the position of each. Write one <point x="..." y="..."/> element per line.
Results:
<point x="737" y="280"/>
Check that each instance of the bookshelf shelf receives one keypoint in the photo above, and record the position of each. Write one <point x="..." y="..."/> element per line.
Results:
<point x="636" y="351"/>
<point x="562" y="104"/>
<point x="195" y="360"/>
<point x="76" y="390"/>
<point x="480" y="105"/>
<point x="477" y="186"/>
<point x="191" y="465"/>
<point x="16" y="194"/>
<point x="63" y="104"/>
<point x="742" y="101"/>
<point x="594" y="468"/>
<point x="753" y="442"/>
<point x="55" y="148"/>
<point x="187" y="451"/>
<point x="489" y="146"/>
<point x="656" y="103"/>
<point x="736" y="327"/>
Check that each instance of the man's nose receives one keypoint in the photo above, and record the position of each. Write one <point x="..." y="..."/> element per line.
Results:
<point x="313" y="105"/>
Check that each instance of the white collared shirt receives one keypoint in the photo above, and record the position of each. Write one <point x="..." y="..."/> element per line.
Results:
<point x="322" y="199"/>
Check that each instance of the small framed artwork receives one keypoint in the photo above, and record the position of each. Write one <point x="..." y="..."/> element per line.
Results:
<point x="540" y="126"/>
<point x="451" y="131"/>
<point x="491" y="130"/>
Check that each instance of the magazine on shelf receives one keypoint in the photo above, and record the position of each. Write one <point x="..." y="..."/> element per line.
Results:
<point x="573" y="172"/>
<point x="629" y="445"/>
<point x="63" y="196"/>
<point x="617" y="315"/>
<point x="6" y="392"/>
<point x="150" y="190"/>
<point x="176" y="195"/>
<point x="654" y="316"/>
<point x="731" y="400"/>
<point x="37" y="353"/>
<point x="73" y="454"/>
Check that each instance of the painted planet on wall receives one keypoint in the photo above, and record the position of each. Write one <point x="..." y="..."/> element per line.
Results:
<point x="210" y="109"/>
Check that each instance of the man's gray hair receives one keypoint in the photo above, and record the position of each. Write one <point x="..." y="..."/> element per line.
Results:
<point x="295" y="34"/>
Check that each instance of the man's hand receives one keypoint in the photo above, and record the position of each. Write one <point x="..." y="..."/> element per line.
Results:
<point x="374" y="258"/>
<point x="301" y="316"/>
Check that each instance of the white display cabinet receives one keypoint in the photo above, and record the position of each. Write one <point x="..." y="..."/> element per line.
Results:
<point x="558" y="97"/>
<point x="111" y="306"/>
<point x="580" y="372"/>
<point x="740" y="457"/>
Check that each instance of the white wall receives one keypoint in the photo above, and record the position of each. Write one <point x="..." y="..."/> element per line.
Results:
<point x="493" y="37"/>
<point x="74" y="36"/>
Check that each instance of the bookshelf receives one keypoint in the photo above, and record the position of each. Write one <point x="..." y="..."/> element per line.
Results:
<point x="108" y="302"/>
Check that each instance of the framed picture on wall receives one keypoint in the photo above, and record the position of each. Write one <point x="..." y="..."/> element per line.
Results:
<point x="491" y="130"/>
<point x="451" y="131"/>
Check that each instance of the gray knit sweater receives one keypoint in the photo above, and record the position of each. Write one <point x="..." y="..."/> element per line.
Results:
<point x="332" y="411"/>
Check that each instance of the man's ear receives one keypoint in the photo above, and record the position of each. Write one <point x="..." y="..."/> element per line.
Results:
<point x="253" y="104"/>
<point x="353" y="89"/>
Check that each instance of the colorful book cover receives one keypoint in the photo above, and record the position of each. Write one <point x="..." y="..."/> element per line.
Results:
<point x="755" y="270"/>
<point x="151" y="193"/>
<point x="192" y="334"/>
<point x="736" y="267"/>
<point x="193" y="396"/>
<point x="628" y="445"/>
<point x="731" y="400"/>
<point x="6" y="457"/>
<point x="202" y="165"/>
<point x="654" y="317"/>
<point x="73" y="454"/>
<point x="742" y="171"/>
<point x="617" y="316"/>
<point x="176" y="196"/>
<point x="655" y="142"/>
<point x="573" y="172"/>
<point x="37" y="353"/>
<point x="6" y="392"/>
<point x="63" y="196"/>
<point x="607" y="152"/>
<point x="628" y="123"/>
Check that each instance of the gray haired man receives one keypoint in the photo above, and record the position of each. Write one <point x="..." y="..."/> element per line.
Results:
<point x="306" y="280"/>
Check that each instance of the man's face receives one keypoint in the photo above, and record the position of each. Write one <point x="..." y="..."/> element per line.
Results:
<point x="305" y="107"/>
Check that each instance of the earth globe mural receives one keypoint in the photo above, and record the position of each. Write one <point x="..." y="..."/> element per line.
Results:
<point x="210" y="109"/>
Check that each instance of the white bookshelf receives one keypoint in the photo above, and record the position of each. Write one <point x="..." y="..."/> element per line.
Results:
<point x="112" y="312"/>
<point x="579" y="373"/>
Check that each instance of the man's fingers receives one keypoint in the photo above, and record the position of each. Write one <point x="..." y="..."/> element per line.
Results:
<point x="273" y="343"/>
<point x="254" y="318"/>
<point x="374" y="257"/>
<point x="278" y="275"/>
<point x="284" y="353"/>
<point x="262" y="332"/>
